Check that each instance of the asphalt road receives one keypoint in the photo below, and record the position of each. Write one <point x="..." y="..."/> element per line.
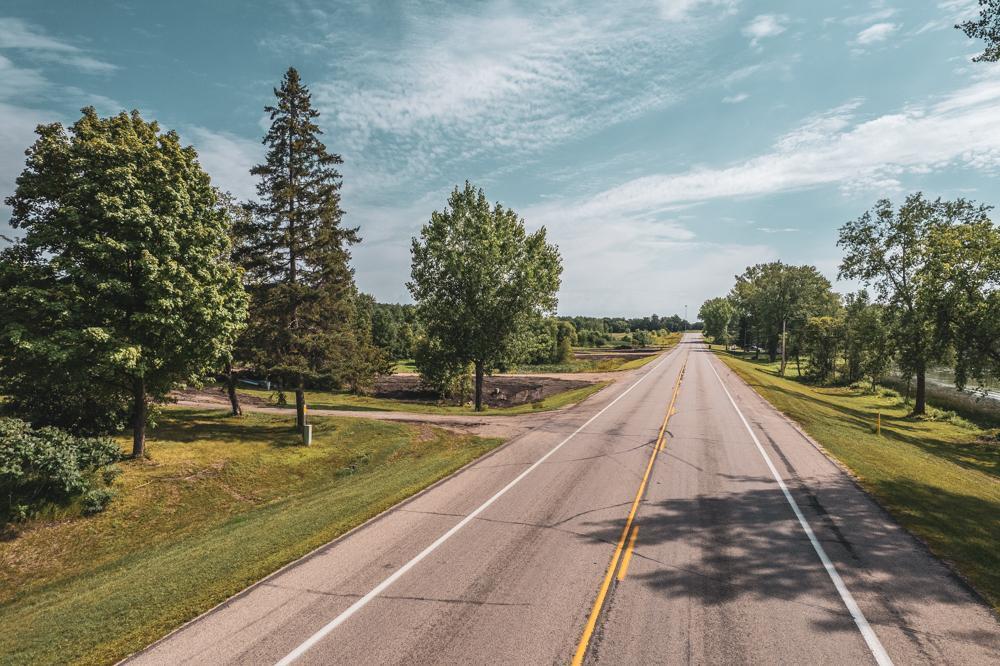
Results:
<point x="746" y="545"/>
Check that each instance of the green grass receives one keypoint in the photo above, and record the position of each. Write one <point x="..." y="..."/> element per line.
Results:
<point x="343" y="401"/>
<point x="574" y="366"/>
<point x="222" y="502"/>
<point x="665" y="343"/>
<point x="938" y="475"/>
<point x="405" y="365"/>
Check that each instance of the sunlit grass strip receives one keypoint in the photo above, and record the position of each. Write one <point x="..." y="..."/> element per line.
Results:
<point x="223" y="502"/>
<point x="940" y="479"/>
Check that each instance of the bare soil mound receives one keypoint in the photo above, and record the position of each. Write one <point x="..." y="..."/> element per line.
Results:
<point x="498" y="391"/>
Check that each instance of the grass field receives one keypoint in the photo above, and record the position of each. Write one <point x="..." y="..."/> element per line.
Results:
<point x="939" y="476"/>
<point x="221" y="503"/>
<point x="665" y="343"/>
<point x="343" y="401"/>
<point x="405" y="365"/>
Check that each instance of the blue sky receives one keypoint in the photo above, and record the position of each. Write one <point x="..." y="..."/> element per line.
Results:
<point x="665" y="145"/>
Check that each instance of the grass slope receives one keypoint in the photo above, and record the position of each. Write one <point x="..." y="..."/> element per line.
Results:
<point x="939" y="476"/>
<point x="222" y="503"/>
<point x="343" y="401"/>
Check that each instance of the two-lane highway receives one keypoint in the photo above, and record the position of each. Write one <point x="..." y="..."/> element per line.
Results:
<point x="746" y="545"/>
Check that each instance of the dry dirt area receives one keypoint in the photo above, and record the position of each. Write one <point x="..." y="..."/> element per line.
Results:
<point x="498" y="391"/>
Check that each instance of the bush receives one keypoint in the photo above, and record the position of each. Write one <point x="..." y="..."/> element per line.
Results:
<point x="47" y="466"/>
<point x="450" y="380"/>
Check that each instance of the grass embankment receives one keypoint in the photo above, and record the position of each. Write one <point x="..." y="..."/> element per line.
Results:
<point x="939" y="475"/>
<point x="223" y="502"/>
<point x="343" y="401"/>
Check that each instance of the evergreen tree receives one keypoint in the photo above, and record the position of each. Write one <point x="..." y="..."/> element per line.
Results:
<point x="296" y="251"/>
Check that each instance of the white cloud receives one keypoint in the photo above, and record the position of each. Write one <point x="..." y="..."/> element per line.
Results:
<point x="832" y="148"/>
<point x="876" y="33"/>
<point x="18" y="82"/>
<point x="764" y="26"/>
<point x="679" y="10"/>
<point x="437" y="99"/>
<point x="736" y="99"/>
<point x="874" y="16"/>
<point x="227" y="159"/>
<point x="20" y="35"/>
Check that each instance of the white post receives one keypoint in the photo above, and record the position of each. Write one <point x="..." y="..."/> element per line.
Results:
<point x="307" y="434"/>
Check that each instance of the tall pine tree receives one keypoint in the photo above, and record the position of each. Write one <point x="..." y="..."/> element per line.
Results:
<point x="296" y="251"/>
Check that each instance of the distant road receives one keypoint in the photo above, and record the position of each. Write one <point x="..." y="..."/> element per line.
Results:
<point x="745" y="545"/>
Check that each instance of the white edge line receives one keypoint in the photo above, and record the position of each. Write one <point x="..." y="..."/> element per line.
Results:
<point x="396" y="575"/>
<point x="874" y="644"/>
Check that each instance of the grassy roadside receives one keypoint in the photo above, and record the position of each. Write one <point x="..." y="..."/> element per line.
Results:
<point x="221" y="503"/>
<point x="342" y="401"/>
<point x="938" y="476"/>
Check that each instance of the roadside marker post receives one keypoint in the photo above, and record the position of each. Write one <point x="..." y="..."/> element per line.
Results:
<point x="307" y="434"/>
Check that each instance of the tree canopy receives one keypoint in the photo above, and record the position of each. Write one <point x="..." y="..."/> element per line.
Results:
<point x="479" y="279"/>
<point x="717" y="314"/>
<point x="121" y="286"/>
<point x="776" y="300"/>
<point x="987" y="28"/>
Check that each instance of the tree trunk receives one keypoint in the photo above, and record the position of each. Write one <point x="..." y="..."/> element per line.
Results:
<point x="139" y="418"/>
<point x="479" y="386"/>
<point x="234" y="399"/>
<point x="798" y="364"/>
<point x="300" y="404"/>
<point x="920" y="401"/>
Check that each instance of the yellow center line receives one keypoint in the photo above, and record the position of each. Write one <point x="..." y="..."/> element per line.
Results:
<point x="628" y="554"/>
<point x="602" y="593"/>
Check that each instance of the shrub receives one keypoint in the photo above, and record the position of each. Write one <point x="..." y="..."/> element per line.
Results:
<point x="450" y="380"/>
<point x="47" y="466"/>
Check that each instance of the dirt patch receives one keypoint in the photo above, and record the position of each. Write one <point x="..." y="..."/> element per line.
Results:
<point x="215" y="395"/>
<point x="498" y="391"/>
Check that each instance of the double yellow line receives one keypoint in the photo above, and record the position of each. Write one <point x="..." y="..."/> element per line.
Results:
<point x="602" y="593"/>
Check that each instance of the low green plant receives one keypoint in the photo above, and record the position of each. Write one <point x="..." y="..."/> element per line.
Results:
<point x="49" y="466"/>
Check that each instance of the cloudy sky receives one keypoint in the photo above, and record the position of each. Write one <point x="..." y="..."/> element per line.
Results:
<point x="665" y="145"/>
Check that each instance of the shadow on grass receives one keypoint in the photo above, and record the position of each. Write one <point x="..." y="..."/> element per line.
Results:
<point x="211" y="428"/>
<point x="974" y="455"/>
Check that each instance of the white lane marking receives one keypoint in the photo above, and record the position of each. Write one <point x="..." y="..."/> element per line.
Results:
<point x="378" y="589"/>
<point x="874" y="644"/>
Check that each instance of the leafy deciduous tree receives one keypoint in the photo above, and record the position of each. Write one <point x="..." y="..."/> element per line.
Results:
<point x="987" y="28"/>
<point x="121" y="286"/>
<point x="479" y="278"/>
<point x="886" y="248"/>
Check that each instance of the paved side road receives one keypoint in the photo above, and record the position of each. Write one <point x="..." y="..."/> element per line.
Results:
<point x="502" y="562"/>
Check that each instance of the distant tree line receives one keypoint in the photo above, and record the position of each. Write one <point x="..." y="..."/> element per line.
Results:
<point x="931" y="276"/>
